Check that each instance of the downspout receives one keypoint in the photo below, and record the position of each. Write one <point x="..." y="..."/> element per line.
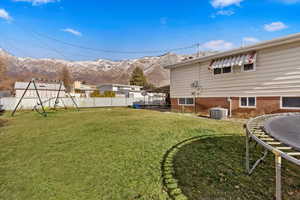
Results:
<point x="230" y="106"/>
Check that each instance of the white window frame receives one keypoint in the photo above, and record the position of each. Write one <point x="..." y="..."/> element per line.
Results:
<point x="185" y="101"/>
<point x="288" y="108"/>
<point x="222" y="71"/>
<point x="253" y="70"/>
<point x="240" y="102"/>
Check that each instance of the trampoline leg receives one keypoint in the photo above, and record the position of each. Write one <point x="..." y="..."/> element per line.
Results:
<point x="247" y="153"/>
<point x="278" y="176"/>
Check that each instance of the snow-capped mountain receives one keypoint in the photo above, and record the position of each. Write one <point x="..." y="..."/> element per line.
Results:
<point x="93" y="72"/>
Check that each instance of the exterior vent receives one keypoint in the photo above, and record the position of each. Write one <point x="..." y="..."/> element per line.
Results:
<point x="218" y="113"/>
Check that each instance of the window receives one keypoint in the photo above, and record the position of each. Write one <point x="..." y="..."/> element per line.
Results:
<point x="290" y="102"/>
<point x="248" y="102"/>
<point x="226" y="70"/>
<point x="244" y="101"/>
<point x="181" y="101"/>
<point x="217" y="71"/>
<point x="189" y="101"/>
<point x="223" y="70"/>
<point x="248" y="67"/>
<point x="186" y="101"/>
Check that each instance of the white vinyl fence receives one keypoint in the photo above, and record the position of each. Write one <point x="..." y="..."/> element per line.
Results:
<point x="9" y="103"/>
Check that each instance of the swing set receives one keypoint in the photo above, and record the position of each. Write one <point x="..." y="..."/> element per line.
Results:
<point x="39" y="107"/>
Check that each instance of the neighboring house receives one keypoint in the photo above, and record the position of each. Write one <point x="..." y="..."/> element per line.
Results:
<point x="253" y="80"/>
<point x="5" y="93"/>
<point x="122" y="90"/>
<point x="83" y="90"/>
<point x="46" y="90"/>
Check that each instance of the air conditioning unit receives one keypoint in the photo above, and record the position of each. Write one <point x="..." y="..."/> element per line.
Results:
<point x="218" y="113"/>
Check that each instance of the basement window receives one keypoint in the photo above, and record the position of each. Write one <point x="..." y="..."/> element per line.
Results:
<point x="247" y="102"/>
<point x="181" y="101"/>
<point x="290" y="102"/>
<point x="186" y="101"/>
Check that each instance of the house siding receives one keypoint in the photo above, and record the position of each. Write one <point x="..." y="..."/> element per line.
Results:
<point x="181" y="80"/>
<point x="277" y="74"/>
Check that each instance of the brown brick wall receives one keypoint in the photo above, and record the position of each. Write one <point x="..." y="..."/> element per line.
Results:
<point x="204" y="104"/>
<point x="264" y="105"/>
<point x="179" y="108"/>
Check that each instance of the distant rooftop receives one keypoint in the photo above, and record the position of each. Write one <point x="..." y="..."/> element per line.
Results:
<point x="119" y="85"/>
<point x="40" y="86"/>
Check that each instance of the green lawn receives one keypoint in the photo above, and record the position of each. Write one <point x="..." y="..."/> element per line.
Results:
<point x="116" y="154"/>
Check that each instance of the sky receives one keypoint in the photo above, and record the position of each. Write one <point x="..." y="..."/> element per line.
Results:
<point x="119" y="29"/>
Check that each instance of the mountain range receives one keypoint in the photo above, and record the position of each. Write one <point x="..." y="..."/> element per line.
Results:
<point x="92" y="72"/>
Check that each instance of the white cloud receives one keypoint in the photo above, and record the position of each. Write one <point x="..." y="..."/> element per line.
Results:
<point x="247" y="40"/>
<point x="225" y="3"/>
<point x="72" y="31"/>
<point x="5" y="15"/>
<point x="251" y="39"/>
<point x="275" y="26"/>
<point x="217" y="45"/>
<point x="37" y="2"/>
<point x="225" y="12"/>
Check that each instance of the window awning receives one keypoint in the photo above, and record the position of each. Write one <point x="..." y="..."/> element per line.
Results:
<point x="237" y="60"/>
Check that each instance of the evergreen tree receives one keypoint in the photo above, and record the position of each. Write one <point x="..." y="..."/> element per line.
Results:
<point x="149" y="87"/>
<point x="138" y="77"/>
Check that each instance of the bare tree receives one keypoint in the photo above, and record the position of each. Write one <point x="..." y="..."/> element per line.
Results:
<point x="65" y="76"/>
<point x="3" y="69"/>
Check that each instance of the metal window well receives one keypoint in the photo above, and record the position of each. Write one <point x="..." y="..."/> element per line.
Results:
<point x="218" y="113"/>
<point x="279" y="134"/>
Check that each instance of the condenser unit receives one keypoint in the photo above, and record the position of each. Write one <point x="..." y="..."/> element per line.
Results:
<point x="218" y="113"/>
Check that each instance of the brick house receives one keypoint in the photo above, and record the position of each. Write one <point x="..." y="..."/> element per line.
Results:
<point x="249" y="81"/>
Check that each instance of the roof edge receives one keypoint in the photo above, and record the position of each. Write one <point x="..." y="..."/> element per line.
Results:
<point x="255" y="47"/>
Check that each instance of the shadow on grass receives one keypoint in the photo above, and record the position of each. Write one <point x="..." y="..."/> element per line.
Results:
<point x="212" y="168"/>
<point x="2" y="122"/>
<point x="48" y="111"/>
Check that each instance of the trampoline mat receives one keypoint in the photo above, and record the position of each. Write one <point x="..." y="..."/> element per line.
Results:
<point x="286" y="129"/>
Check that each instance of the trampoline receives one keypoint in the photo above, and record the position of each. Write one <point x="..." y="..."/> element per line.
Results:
<point x="285" y="129"/>
<point x="279" y="134"/>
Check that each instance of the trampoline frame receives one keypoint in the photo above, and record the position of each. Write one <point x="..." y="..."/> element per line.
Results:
<point x="255" y="130"/>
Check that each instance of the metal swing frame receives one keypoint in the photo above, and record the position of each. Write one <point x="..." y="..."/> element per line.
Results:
<point x="43" y="113"/>
<point x="40" y="102"/>
<point x="255" y="131"/>
<point x="57" y="98"/>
